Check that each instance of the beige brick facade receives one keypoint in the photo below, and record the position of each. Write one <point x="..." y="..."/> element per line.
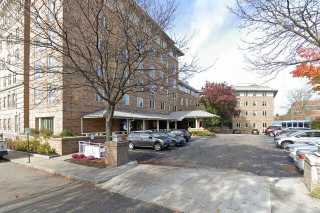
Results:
<point x="256" y="106"/>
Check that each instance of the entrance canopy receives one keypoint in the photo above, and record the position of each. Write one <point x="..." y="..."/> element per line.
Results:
<point x="173" y="116"/>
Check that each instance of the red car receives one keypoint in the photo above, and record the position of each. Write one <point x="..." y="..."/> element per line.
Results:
<point x="270" y="130"/>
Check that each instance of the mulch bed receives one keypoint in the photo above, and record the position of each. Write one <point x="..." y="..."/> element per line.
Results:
<point x="100" y="164"/>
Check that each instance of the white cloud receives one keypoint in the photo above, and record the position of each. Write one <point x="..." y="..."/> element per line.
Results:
<point x="217" y="39"/>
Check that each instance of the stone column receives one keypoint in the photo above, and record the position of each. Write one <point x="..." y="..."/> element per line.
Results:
<point x="128" y="126"/>
<point x="312" y="172"/>
<point x="143" y="125"/>
<point x="158" y="125"/>
<point x="176" y="124"/>
<point x="168" y="125"/>
<point x="117" y="153"/>
<point x="197" y="124"/>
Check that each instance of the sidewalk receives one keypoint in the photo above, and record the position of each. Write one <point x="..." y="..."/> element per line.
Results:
<point x="59" y="166"/>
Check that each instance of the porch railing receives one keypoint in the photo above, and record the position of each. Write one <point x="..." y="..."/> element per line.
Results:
<point x="96" y="150"/>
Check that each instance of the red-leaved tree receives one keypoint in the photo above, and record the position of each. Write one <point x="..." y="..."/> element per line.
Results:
<point x="221" y="99"/>
<point x="311" y="68"/>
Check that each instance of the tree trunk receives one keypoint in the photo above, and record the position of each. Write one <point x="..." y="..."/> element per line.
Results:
<point x="108" y="118"/>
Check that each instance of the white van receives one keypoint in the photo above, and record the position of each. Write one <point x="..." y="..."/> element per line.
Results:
<point x="3" y="147"/>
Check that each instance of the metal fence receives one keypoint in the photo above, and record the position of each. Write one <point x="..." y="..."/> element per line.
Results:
<point x="96" y="150"/>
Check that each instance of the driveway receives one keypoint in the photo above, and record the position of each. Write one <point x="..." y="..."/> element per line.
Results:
<point x="246" y="153"/>
<point x="228" y="173"/>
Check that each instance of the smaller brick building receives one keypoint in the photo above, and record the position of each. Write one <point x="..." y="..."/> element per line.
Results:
<point x="256" y="105"/>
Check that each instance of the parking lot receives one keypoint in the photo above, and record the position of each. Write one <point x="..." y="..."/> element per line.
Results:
<point x="247" y="153"/>
<point x="226" y="173"/>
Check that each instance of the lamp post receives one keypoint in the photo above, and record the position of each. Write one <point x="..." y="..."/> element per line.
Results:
<point x="28" y="132"/>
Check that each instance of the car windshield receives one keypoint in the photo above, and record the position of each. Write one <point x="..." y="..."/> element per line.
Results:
<point x="159" y="134"/>
<point x="295" y="133"/>
<point x="171" y="134"/>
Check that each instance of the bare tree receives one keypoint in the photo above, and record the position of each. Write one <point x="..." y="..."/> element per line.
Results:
<point x="106" y="46"/>
<point x="277" y="30"/>
<point x="298" y="100"/>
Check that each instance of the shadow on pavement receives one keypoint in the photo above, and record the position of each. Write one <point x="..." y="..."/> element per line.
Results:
<point x="78" y="197"/>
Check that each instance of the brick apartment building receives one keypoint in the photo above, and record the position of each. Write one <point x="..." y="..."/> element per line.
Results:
<point x="256" y="105"/>
<point x="22" y="104"/>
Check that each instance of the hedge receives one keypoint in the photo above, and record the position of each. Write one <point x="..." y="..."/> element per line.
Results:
<point x="34" y="147"/>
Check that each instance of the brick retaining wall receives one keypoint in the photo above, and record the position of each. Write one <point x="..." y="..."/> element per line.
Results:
<point x="66" y="146"/>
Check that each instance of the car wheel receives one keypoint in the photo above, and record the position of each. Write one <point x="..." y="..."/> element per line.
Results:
<point x="284" y="144"/>
<point x="157" y="147"/>
<point x="131" y="146"/>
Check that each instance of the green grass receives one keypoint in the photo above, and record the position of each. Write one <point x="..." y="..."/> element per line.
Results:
<point x="316" y="192"/>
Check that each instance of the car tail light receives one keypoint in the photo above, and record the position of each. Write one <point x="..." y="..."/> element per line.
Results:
<point x="301" y="156"/>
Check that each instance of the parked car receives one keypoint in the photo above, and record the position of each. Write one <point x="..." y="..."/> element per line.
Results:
<point x="288" y="131"/>
<point x="177" y="140"/>
<point x="255" y="132"/>
<point x="306" y="136"/>
<point x="294" y="150"/>
<point x="236" y="131"/>
<point x="154" y="140"/>
<point x="3" y="147"/>
<point x="183" y="133"/>
<point x="270" y="130"/>
<point x="300" y="157"/>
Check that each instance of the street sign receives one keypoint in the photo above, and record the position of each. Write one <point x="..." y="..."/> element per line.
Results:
<point x="27" y="131"/>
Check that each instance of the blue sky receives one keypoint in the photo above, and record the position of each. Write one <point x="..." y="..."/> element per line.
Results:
<point x="216" y="41"/>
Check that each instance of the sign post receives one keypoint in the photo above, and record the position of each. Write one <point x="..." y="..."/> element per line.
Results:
<point x="28" y="132"/>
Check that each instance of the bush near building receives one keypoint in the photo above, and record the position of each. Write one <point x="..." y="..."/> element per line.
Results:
<point x="315" y="124"/>
<point x="34" y="147"/>
<point x="201" y="133"/>
<point x="316" y="192"/>
<point x="66" y="133"/>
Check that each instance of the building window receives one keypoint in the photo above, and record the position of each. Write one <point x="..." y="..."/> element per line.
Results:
<point x="254" y="113"/>
<point x="181" y="101"/>
<point x="264" y="125"/>
<point x="98" y="97"/>
<point x="36" y="96"/>
<point x="37" y="70"/>
<point x="254" y="103"/>
<point x="152" y="103"/>
<point x="126" y="100"/>
<point x="264" y="113"/>
<point x="51" y="94"/>
<point x="254" y="125"/>
<point x="247" y="125"/>
<point x="140" y="102"/>
<point x="264" y="103"/>
<point x="246" y="103"/>
<point x="47" y="123"/>
<point x="163" y="105"/>
<point x="51" y="64"/>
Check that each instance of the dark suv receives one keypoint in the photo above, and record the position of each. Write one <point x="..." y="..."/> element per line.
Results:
<point x="156" y="141"/>
<point x="183" y="133"/>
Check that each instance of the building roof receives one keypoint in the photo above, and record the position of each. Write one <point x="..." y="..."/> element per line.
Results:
<point x="180" y="115"/>
<point x="174" y="116"/>
<point x="254" y="88"/>
<point x="188" y="86"/>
